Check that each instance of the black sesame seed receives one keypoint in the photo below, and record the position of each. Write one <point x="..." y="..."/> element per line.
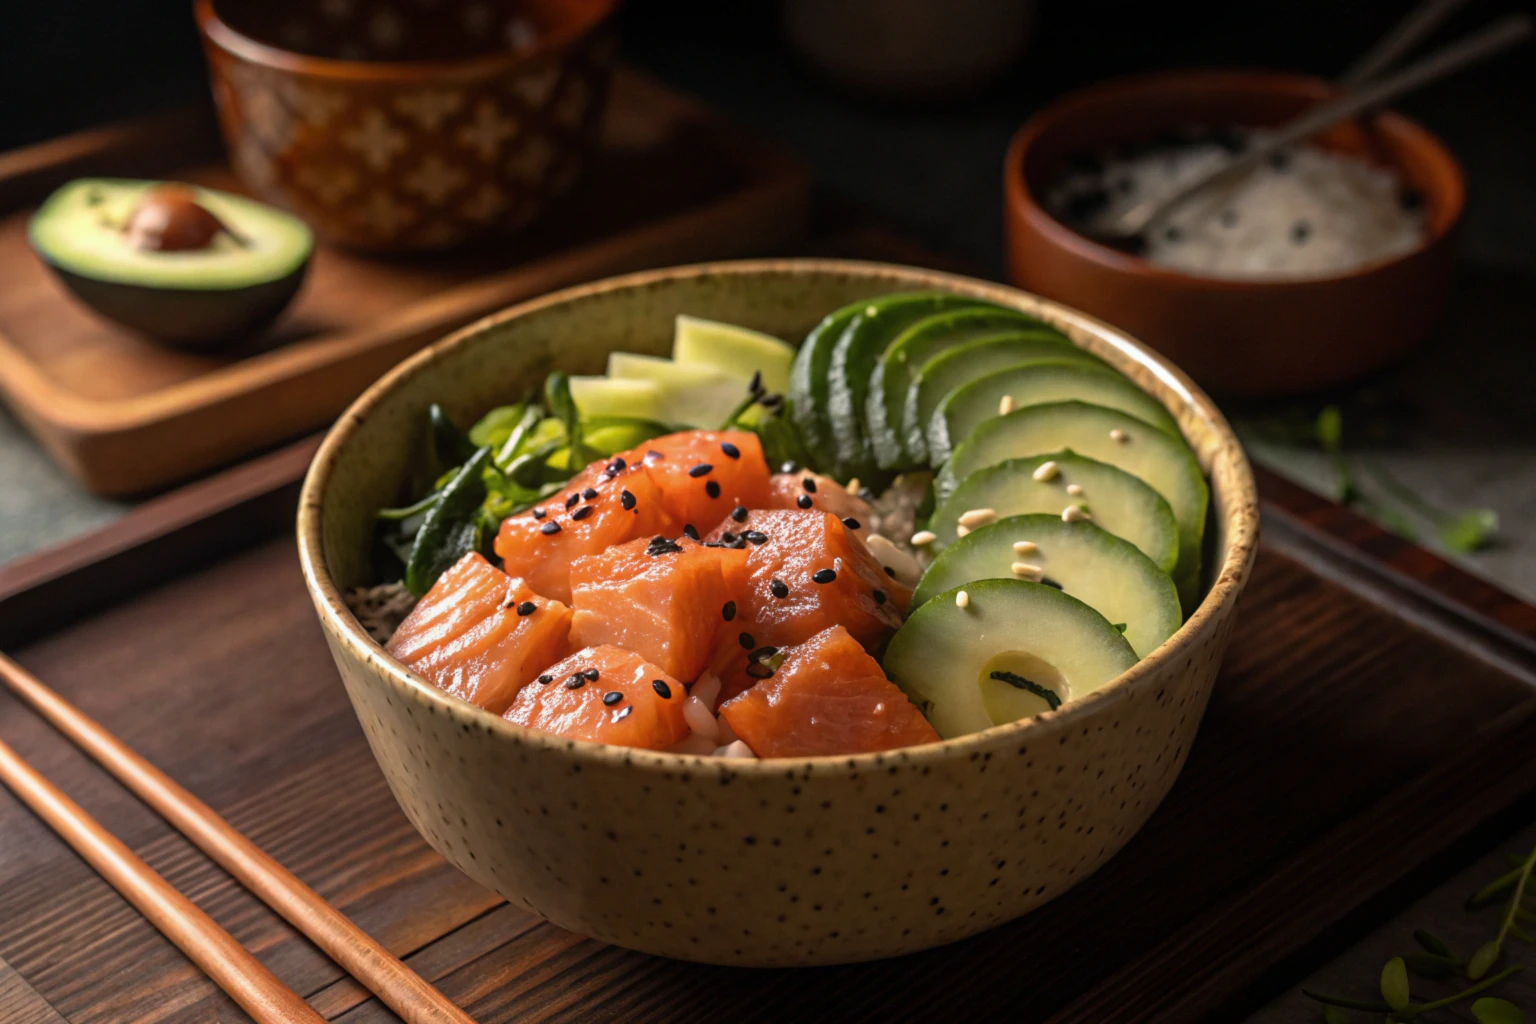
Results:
<point x="889" y="571"/>
<point x="866" y="494"/>
<point x="627" y="500"/>
<point x="589" y="493"/>
<point x="804" y="501"/>
<point x="1172" y="233"/>
<point x="1300" y="232"/>
<point x="549" y="528"/>
<point x="582" y="513"/>
<point x="789" y="467"/>
<point x="591" y="675"/>
<point x="576" y="682"/>
<point x="690" y="532"/>
<point x="824" y="575"/>
<point x="712" y="489"/>
<point x="662" y="689"/>
<point x="755" y="385"/>
<point x="770" y="400"/>
<point x="879" y="596"/>
<point x="809" y="484"/>
<point x="570" y="502"/>
<point x="731" y="451"/>
<point x="779" y="587"/>
<point x="729" y="611"/>
<point x="623" y="713"/>
<point x="728" y="537"/>
<point x="746" y="641"/>
<point x="1229" y="218"/>
<point x="739" y="513"/>
<point x="755" y="536"/>
<point x="527" y="608"/>
<point x="762" y="654"/>
<point x="612" y="697"/>
<point x="759" y="671"/>
<point x="538" y="513"/>
<point x="1410" y="199"/>
<point x="1051" y="583"/>
<point x="546" y="679"/>
<point x="851" y="523"/>
<point x="1280" y="160"/>
<point x="702" y="469"/>
<point x="652" y="455"/>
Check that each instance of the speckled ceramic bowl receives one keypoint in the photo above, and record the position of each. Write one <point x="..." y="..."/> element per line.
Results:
<point x="781" y="862"/>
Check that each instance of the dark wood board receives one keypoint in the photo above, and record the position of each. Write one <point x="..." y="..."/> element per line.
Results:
<point x="1370" y="687"/>
<point x="670" y="183"/>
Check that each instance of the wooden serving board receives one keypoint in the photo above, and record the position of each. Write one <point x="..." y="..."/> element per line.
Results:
<point x="671" y="183"/>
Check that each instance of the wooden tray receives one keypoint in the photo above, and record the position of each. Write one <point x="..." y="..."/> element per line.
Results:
<point x="1371" y="688"/>
<point x="671" y="184"/>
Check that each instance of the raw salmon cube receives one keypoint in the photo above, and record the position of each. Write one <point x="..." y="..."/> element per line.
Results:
<point x="606" y="695"/>
<point x="807" y="572"/>
<point x="706" y="473"/>
<point x="662" y="599"/>
<point x="480" y="634"/>
<point x="827" y="697"/>
<point x="822" y="493"/>
<point x="598" y="510"/>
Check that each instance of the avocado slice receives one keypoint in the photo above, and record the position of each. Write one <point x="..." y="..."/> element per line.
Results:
<point x="854" y="354"/>
<point x="1108" y="435"/>
<point x="959" y="366"/>
<point x="808" y="384"/>
<point x="966" y="408"/>
<point x="1091" y="564"/>
<point x="1121" y="503"/>
<point x="905" y="357"/>
<point x="188" y="266"/>
<point x="1009" y="649"/>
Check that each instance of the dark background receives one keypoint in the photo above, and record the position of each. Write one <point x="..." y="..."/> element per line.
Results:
<point x="66" y="64"/>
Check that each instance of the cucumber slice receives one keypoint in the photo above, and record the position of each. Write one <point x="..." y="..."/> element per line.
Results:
<point x="906" y="356"/>
<point x="966" y="408"/>
<point x="854" y="355"/>
<point x="959" y="366"/>
<point x="1122" y="504"/>
<point x="1163" y="461"/>
<point x="604" y="396"/>
<point x="692" y="395"/>
<point x="808" y="384"/>
<point x="1091" y="564"/>
<point x="734" y="351"/>
<point x="1048" y="647"/>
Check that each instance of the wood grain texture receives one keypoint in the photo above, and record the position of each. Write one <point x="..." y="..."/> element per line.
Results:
<point x="670" y="184"/>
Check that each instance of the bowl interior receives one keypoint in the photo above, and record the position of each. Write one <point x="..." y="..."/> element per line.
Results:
<point x="445" y="30"/>
<point x="1144" y="109"/>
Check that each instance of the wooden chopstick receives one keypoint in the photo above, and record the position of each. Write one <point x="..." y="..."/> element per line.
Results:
<point x="354" y="950"/>
<point x="246" y="979"/>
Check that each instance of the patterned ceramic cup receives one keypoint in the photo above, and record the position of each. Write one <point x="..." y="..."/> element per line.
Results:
<point x="791" y="861"/>
<point x="400" y="125"/>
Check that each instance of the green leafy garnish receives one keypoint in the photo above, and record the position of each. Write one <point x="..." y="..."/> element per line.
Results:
<point x="451" y="528"/>
<point x="1492" y="1010"/>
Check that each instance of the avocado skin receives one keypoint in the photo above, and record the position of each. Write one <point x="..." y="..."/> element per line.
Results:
<point x="187" y="318"/>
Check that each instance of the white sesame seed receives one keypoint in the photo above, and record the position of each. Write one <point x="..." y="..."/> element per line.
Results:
<point x="1074" y="489"/>
<point x="961" y="531"/>
<point x="1119" y="435"/>
<point x="1074" y="514"/>
<point x="962" y="600"/>
<point x="871" y="311"/>
<point x="1047" y="470"/>
<point x="853" y="486"/>
<point x="978" y="517"/>
<point x="1005" y="405"/>
<point x="922" y="537"/>
<point x="1025" y="547"/>
<point x="1024" y="570"/>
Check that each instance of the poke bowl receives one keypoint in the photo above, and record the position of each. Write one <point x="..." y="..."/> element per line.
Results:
<point x="1009" y="739"/>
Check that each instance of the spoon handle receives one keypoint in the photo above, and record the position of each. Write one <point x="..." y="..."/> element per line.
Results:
<point x="1478" y="46"/>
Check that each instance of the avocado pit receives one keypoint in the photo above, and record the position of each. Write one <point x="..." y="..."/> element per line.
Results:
<point x="169" y="219"/>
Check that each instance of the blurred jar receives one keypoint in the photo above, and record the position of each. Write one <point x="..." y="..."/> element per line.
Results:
<point x="910" y="51"/>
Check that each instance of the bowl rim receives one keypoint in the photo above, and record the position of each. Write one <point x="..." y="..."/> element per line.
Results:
<point x="217" y="32"/>
<point x="1240" y="499"/>
<point x="1022" y="206"/>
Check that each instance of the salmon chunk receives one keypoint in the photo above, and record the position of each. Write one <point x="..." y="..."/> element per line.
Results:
<point x="481" y="635"/>
<point x="662" y="599"/>
<point x="705" y="473"/>
<point x="606" y="695"/>
<point x="827" y="697"/>
<point x="804" y="491"/>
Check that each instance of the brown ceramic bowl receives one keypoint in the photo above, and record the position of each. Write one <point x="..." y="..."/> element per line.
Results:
<point x="1236" y="337"/>
<point x="413" y="126"/>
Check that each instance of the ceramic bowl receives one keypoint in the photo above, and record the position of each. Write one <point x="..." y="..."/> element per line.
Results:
<point x="1236" y="337"/>
<point x="414" y="126"/>
<point x="775" y="862"/>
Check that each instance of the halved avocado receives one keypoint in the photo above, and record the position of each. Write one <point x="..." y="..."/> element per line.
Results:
<point x="188" y="266"/>
<point x="1009" y="649"/>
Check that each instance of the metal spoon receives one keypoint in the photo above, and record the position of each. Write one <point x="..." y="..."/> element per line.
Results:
<point x="1501" y="35"/>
